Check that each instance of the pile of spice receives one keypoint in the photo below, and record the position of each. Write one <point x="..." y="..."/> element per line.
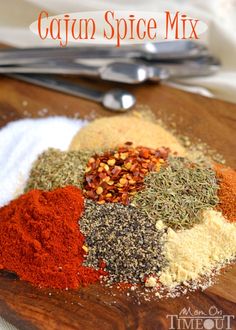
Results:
<point x="149" y="217"/>
<point x="178" y="193"/>
<point x="55" y="168"/>
<point x="196" y="252"/>
<point x="227" y="192"/>
<point x="22" y="141"/>
<point x="125" y="239"/>
<point x="40" y="239"/>
<point x="110" y="132"/>
<point x="115" y="176"/>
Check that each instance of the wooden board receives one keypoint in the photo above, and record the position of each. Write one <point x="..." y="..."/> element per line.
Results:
<point x="96" y="307"/>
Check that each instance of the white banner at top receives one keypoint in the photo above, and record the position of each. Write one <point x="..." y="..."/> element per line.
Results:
<point x="117" y="27"/>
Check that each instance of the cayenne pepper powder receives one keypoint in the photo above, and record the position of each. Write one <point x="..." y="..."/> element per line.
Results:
<point x="227" y="192"/>
<point x="116" y="175"/>
<point x="40" y="239"/>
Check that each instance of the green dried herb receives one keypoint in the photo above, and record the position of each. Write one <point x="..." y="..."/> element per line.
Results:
<point x="55" y="168"/>
<point x="178" y="193"/>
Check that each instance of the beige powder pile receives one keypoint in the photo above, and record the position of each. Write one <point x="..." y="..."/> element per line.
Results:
<point x="109" y="132"/>
<point x="197" y="251"/>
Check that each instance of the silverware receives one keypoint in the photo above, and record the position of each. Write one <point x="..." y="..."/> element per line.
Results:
<point x="202" y="66"/>
<point x="124" y="72"/>
<point x="160" y="51"/>
<point x="114" y="99"/>
<point x="133" y="64"/>
<point x="129" y="73"/>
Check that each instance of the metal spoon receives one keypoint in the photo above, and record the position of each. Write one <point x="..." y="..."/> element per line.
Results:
<point x="177" y="49"/>
<point x="114" y="99"/>
<point x="202" y="66"/>
<point x="122" y="72"/>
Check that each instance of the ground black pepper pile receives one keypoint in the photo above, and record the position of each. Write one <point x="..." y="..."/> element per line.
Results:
<point x="123" y="237"/>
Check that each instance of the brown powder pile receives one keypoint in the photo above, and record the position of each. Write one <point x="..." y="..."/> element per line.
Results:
<point x="110" y="132"/>
<point x="227" y="191"/>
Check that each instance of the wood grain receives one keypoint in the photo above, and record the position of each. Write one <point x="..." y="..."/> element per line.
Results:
<point x="97" y="307"/>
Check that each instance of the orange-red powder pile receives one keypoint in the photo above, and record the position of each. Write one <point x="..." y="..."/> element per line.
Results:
<point x="40" y="239"/>
<point x="227" y="192"/>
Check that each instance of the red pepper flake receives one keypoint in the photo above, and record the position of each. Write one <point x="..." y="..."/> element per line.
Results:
<point x="115" y="176"/>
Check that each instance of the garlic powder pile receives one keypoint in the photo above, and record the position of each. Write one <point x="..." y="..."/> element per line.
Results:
<point x="197" y="251"/>
<point x="110" y="132"/>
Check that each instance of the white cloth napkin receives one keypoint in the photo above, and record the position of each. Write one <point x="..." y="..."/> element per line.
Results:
<point x="4" y="325"/>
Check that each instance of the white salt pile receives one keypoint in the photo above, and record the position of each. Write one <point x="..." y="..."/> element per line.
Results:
<point x="20" y="144"/>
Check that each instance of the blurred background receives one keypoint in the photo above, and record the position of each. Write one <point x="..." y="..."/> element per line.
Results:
<point x="220" y="15"/>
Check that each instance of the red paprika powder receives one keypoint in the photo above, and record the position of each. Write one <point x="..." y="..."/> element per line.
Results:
<point x="227" y="192"/>
<point x="40" y="239"/>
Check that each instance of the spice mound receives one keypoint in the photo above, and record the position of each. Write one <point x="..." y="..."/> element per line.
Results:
<point x="178" y="193"/>
<point x="227" y="192"/>
<point x="40" y="239"/>
<point x="122" y="236"/>
<point x="122" y="206"/>
<point x="110" y="132"/>
<point x="115" y="176"/>
<point x="55" y="169"/>
<point x="194" y="252"/>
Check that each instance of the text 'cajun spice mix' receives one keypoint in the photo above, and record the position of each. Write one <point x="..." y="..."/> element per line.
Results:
<point x="115" y="176"/>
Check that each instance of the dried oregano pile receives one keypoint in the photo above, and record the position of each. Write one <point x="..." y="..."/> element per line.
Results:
<point x="55" y="168"/>
<point x="178" y="193"/>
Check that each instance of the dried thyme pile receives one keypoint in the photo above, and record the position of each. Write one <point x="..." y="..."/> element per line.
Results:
<point x="124" y="238"/>
<point x="55" y="168"/>
<point x="178" y="193"/>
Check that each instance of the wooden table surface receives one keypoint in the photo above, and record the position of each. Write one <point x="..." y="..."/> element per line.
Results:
<point x="96" y="307"/>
